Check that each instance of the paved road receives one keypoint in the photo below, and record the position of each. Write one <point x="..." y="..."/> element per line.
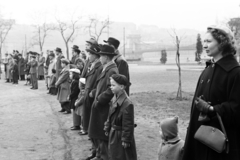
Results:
<point x="32" y="129"/>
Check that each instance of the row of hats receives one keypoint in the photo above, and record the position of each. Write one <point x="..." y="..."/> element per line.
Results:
<point x="107" y="49"/>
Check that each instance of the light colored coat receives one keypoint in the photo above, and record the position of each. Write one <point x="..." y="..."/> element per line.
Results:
<point x="52" y="65"/>
<point x="63" y="85"/>
<point x="171" y="149"/>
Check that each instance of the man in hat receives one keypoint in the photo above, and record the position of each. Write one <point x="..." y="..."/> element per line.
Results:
<point x="102" y="96"/>
<point x="91" y="81"/>
<point x="21" y="64"/>
<point x="119" y="60"/>
<point x="75" y="53"/>
<point x="33" y="72"/>
<point x="59" y="55"/>
<point x="63" y="86"/>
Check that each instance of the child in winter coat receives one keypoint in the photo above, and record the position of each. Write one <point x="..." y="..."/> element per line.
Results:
<point x="171" y="147"/>
<point x="120" y="124"/>
<point x="74" y="91"/>
<point x="53" y="80"/>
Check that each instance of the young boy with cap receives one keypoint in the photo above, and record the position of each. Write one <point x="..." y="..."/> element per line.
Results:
<point x="102" y="96"/>
<point x="120" y="124"/>
<point x="73" y="96"/>
<point x="52" y="87"/>
<point x="63" y="85"/>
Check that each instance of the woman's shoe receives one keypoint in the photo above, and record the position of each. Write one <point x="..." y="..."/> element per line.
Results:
<point x="82" y="132"/>
<point x="75" y="128"/>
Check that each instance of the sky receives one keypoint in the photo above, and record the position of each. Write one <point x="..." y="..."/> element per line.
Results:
<point x="177" y="14"/>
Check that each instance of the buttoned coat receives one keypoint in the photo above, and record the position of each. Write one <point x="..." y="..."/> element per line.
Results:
<point x="63" y="85"/>
<point x="123" y="69"/>
<point x="91" y="83"/>
<point x="219" y="84"/>
<point x="101" y="104"/>
<point x="58" y="65"/>
<point x="120" y="126"/>
<point x="21" y="65"/>
<point x="171" y="149"/>
<point x="41" y="66"/>
<point x="33" y="66"/>
<point x="74" y="91"/>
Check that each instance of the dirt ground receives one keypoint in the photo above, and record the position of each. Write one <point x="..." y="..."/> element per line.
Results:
<point x="32" y="128"/>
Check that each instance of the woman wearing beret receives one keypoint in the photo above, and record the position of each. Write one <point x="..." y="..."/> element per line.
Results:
<point x="217" y="91"/>
<point x="120" y="124"/>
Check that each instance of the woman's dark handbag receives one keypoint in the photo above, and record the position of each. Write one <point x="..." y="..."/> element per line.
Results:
<point x="213" y="137"/>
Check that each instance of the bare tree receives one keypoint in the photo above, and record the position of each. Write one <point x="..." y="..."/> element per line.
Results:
<point x="177" y="42"/>
<point x="5" y="27"/>
<point x="41" y="33"/>
<point x="68" y="30"/>
<point x="96" y="26"/>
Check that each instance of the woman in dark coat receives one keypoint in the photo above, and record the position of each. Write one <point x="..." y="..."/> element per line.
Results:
<point x="91" y="82"/>
<point x="21" y="65"/>
<point x="217" y="91"/>
<point x="120" y="124"/>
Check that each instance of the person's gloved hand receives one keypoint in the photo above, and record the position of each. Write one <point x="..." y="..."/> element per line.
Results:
<point x="202" y="105"/>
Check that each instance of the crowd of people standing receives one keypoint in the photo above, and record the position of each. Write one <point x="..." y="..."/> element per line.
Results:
<point x="94" y="87"/>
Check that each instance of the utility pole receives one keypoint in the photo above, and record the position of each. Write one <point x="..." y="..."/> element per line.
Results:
<point x="124" y="41"/>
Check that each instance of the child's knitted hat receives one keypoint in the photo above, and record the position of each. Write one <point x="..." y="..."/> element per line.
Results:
<point x="169" y="128"/>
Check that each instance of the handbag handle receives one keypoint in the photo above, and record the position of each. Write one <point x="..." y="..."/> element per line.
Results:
<point x="224" y="131"/>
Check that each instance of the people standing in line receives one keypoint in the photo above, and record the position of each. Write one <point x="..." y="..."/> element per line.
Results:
<point x="33" y="72"/>
<point x="73" y="96"/>
<point x="21" y="64"/>
<point x="15" y="72"/>
<point x="119" y="60"/>
<point x="53" y="79"/>
<point x="41" y="63"/>
<point x="59" y="55"/>
<point x="120" y="124"/>
<point x="63" y="85"/>
<point x="217" y="92"/>
<point x="102" y="96"/>
<point x="90" y="84"/>
<point x="51" y="65"/>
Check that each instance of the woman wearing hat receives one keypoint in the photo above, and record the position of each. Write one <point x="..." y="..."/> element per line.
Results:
<point x="217" y="91"/>
<point x="63" y="85"/>
<point x="120" y="124"/>
<point x="102" y="96"/>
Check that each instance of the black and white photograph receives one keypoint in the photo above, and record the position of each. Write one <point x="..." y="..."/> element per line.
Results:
<point x="120" y="80"/>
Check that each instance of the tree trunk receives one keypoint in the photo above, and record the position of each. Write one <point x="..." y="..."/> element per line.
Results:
<point x="179" y="92"/>
<point x="67" y="50"/>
